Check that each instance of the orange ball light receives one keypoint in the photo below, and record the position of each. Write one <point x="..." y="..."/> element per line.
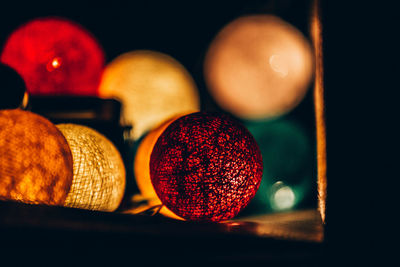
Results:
<point x="142" y="168"/>
<point x="35" y="159"/>
<point x="258" y="67"/>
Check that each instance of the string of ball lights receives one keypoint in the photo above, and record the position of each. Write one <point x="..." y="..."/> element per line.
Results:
<point x="190" y="164"/>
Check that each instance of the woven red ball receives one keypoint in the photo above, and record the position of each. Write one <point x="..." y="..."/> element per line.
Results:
<point x="55" y="56"/>
<point x="206" y="167"/>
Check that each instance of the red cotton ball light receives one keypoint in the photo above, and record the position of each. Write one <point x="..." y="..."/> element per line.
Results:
<point x="206" y="167"/>
<point x="55" y="56"/>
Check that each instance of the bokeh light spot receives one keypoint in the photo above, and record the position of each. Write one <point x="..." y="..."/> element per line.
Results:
<point x="39" y="47"/>
<point x="282" y="197"/>
<point x="288" y="158"/>
<point x="259" y="67"/>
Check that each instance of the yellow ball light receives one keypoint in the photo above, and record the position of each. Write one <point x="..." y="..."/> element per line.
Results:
<point x="142" y="168"/>
<point x="35" y="159"/>
<point x="99" y="172"/>
<point x="259" y="67"/>
<point x="151" y="86"/>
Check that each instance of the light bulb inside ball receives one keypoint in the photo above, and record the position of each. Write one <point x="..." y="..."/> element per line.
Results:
<point x="55" y="56"/>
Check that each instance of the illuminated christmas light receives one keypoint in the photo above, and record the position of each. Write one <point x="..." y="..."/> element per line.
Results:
<point x="205" y="167"/>
<point x="282" y="196"/>
<point x="142" y="168"/>
<point x="152" y="88"/>
<point x="258" y="67"/>
<point x="99" y="172"/>
<point x="36" y="162"/>
<point x="55" y="56"/>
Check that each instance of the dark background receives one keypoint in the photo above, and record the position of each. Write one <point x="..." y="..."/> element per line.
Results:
<point x="360" y="82"/>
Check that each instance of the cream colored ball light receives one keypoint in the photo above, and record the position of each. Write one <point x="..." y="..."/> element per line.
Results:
<point x="98" y="170"/>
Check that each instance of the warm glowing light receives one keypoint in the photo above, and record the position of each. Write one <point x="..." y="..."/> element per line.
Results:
<point x="99" y="172"/>
<point x="205" y="167"/>
<point x="25" y="100"/>
<point x="55" y="63"/>
<point x="35" y="159"/>
<point x="283" y="197"/>
<point x="55" y="56"/>
<point x="142" y="168"/>
<point x="259" y="66"/>
<point x="152" y="87"/>
<point x="302" y="225"/>
<point x="316" y="34"/>
<point x="279" y="65"/>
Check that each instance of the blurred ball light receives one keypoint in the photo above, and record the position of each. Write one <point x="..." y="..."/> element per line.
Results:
<point x="142" y="168"/>
<point x="55" y="56"/>
<point x="205" y="167"/>
<point x="282" y="196"/>
<point x="259" y="66"/>
<point x="35" y="159"/>
<point x="12" y="89"/>
<point x="152" y="88"/>
<point x="288" y="161"/>
<point x="99" y="172"/>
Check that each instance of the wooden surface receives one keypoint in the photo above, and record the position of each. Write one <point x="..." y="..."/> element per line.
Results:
<point x="291" y="237"/>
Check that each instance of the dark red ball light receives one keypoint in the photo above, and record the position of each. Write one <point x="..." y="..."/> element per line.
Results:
<point x="55" y="57"/>
<point x="206" y="167"/>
